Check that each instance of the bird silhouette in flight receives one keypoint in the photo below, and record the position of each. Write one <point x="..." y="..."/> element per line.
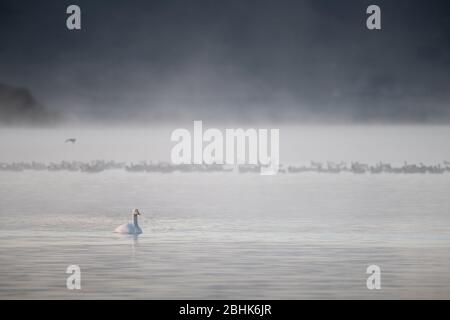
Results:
<point x="72" y="140"/>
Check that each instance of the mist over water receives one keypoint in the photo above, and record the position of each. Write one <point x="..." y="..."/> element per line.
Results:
<point x="298" y="144"/>
<point x="115" y="89"/>
<point x="225" y="235"/>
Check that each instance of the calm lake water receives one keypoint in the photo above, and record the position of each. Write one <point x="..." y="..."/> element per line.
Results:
<point x="226" y="235"/>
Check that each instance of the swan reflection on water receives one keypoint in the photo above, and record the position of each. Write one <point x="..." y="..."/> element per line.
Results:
<point x="132" y="239"/>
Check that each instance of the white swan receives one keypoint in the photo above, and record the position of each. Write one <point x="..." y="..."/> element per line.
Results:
<point x="130" y="228"/>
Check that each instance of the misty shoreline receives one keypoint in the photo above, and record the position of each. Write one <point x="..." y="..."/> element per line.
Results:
<point x="97" y="166"/>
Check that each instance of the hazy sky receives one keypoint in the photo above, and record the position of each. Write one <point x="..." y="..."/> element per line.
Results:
<point x="236" y="59"/>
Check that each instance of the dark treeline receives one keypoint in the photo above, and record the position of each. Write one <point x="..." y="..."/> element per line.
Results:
<point x="18" y="106"/>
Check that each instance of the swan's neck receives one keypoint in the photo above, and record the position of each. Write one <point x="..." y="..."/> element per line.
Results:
<point x="135" y="220"/>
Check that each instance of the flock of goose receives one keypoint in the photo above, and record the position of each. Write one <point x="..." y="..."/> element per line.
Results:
<point x="165" y="167"/>
<point x="361" y="168"/>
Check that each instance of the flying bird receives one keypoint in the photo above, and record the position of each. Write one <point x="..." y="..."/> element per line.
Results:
<point x="72" y="140"/>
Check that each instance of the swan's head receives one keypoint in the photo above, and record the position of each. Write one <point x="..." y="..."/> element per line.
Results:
<point x="136" y="212"/>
